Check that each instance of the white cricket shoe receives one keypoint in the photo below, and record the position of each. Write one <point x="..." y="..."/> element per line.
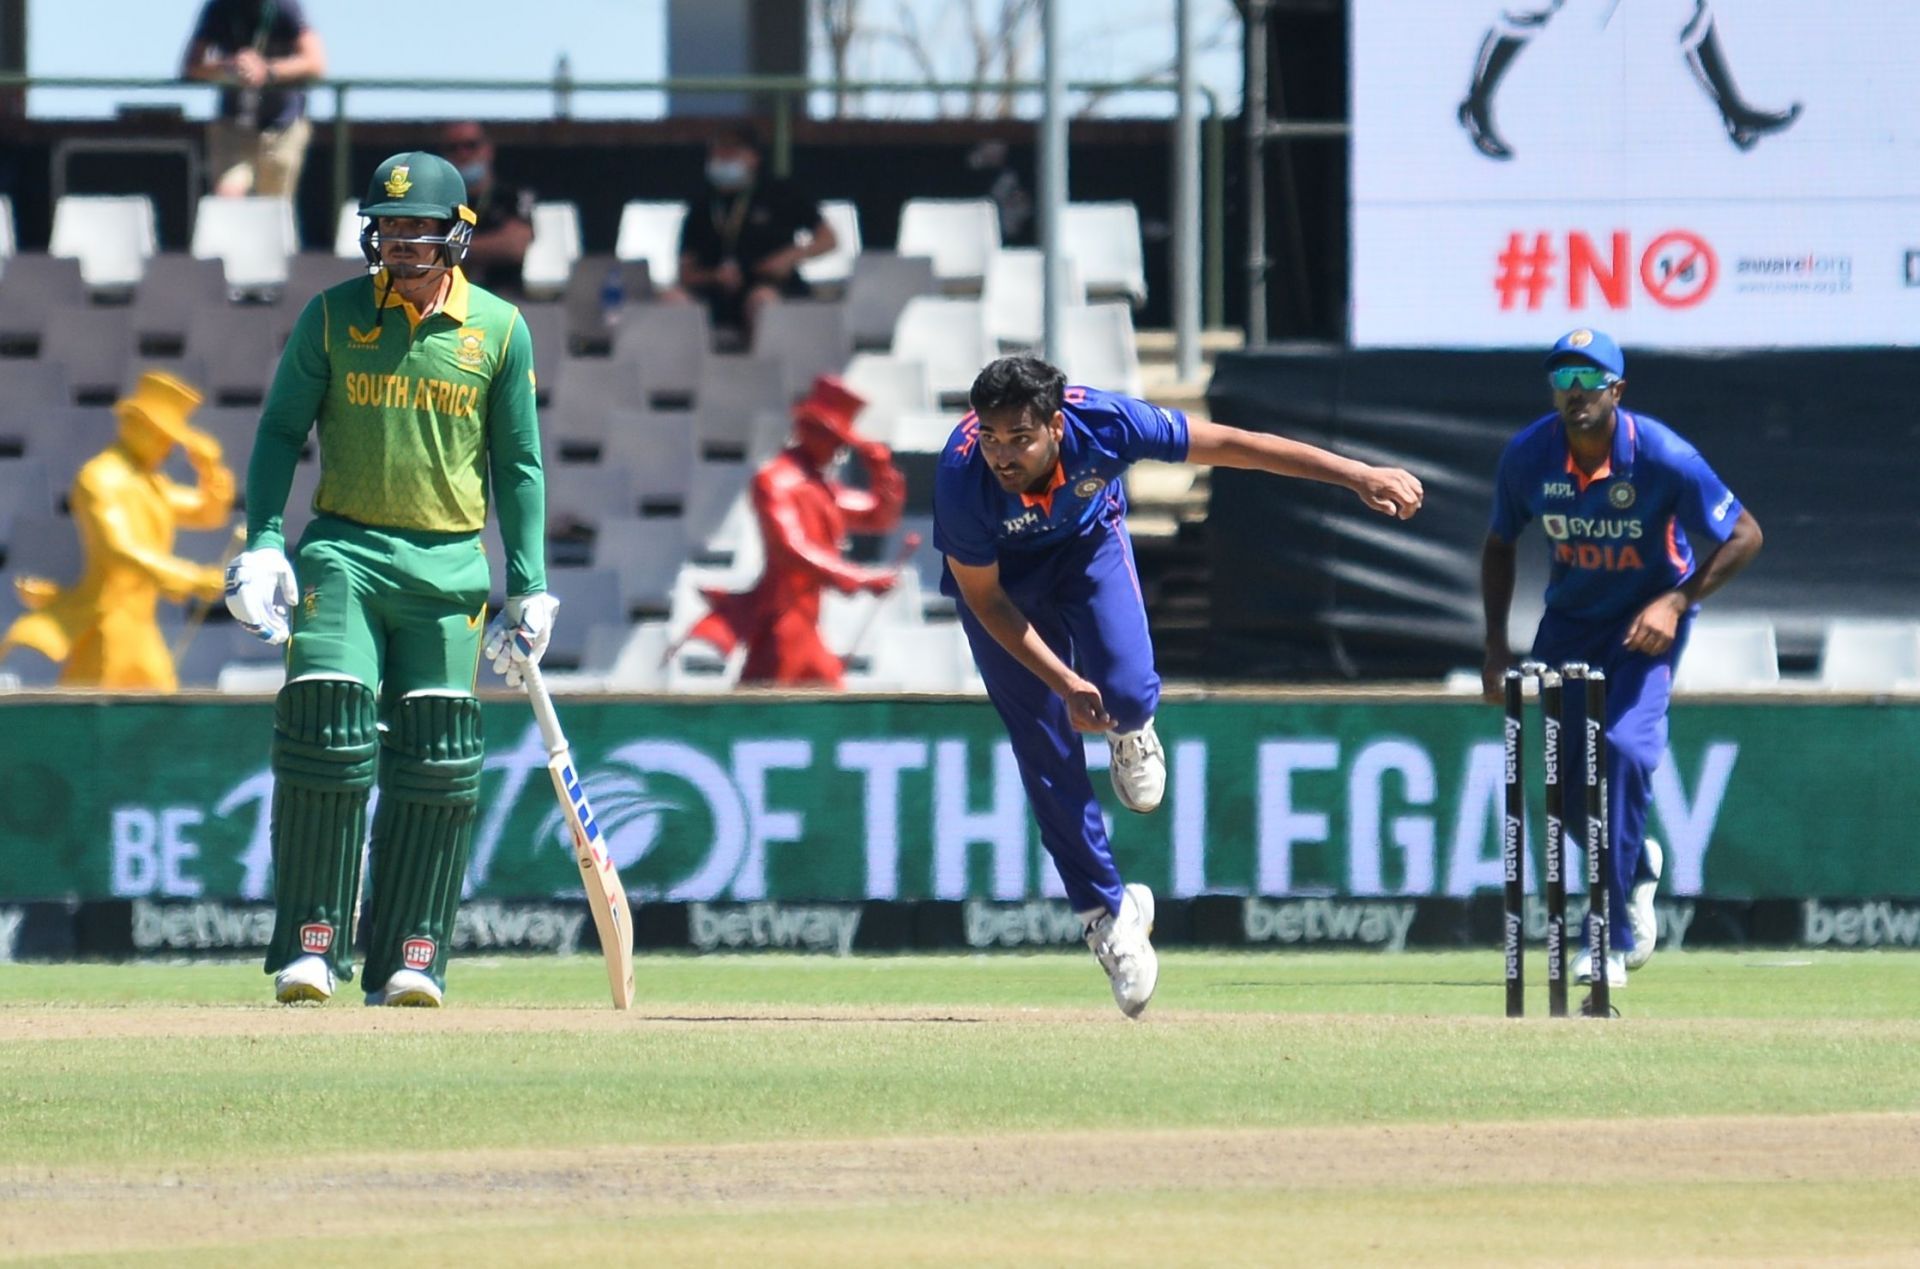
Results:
<point x="407" y="988"/>
<point x="307" y="980"/>
<point x="1138" y="768"/>
<point x="1125" y="949"/>
<point x="1641" y="918"/>
<point x="1616" y="968"/>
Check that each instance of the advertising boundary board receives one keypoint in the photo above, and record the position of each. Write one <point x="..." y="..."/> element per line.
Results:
<point x="140" y="929"/>
<point x="1372" y="795"/>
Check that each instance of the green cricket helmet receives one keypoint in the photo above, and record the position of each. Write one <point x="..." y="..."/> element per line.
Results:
<point x="418" y="184"/>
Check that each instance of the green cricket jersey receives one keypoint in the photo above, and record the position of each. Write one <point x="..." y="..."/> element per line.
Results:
<point x="416" y="418"/>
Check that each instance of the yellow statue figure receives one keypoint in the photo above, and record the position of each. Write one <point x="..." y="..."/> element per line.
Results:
<point x="126" y="512"/>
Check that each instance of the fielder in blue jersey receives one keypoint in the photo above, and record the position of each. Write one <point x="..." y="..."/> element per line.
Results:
<point x="1640" y="530"/>
<point x="1030" y="513"/>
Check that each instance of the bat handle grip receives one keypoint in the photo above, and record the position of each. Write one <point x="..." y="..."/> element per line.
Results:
<point x="550" y="733"/>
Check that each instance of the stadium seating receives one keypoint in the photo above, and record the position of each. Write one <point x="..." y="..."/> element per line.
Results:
<point x="555" y="246"/>
<point x="950" y="337"/>
<point x="29" y="391"/>
<point x="668" y="343"/>
<point x="95" y="345"/>
<point x="1729" y="655"/>
<point x="879" y="289"/>
<point x="834" y="268"/>
<point x="590" y="321"/>
<point x="238" y="348"/>
<point x="37" y="542"/>
<point x="958" y="234"/>
<point x="733" y="391"/>
<point x="805" y="337"/>
<point x="892" y="386"/>
<point x="111" y="235"/>
<point x="1869" y="656"/>
<point x="657" y="448"/>
<point x="650" y="232"/>
<point x="1098" y="347"/>
<point x="346" y="232"/>
<point x="645" y="554"/>
<point x="589" y="597"/>
<point x="1014" y="296"/>
<point x="629" y="658"/>
<point x="32" y="287"/>
<point x="1103" y="239"/>
<point x="24" y="492"/>
<point x="172" y="289"/>
<point x="252" y="237"/>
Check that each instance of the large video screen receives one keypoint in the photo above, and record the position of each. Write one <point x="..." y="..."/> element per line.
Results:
<point x="1682" y="173"/>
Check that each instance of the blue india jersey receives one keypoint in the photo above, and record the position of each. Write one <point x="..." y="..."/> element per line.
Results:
<point x="977" y="522"/>
<point x="1623" y="535"/>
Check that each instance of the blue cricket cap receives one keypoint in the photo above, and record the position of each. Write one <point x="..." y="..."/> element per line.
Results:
<point x="1594" y="347"/>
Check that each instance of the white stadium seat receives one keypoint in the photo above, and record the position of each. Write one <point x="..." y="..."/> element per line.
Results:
<point x="346" y="232"/>
<point x="949" y="336"/>
<point x="1869" y="656"/>
<point x="650" y="231"/>
<point x="957" y="234"/>
<point x="111" y="235"/>
<point x="892" y="386"/>
<point x="555" y="246"/>
<point x="252" y="237"/>
<point x="836" y="266"/>
<point x="1729" y="655"/>
<point x="1104" y="240"/>
<point x="880" y="287"/>
<point x="807" y="337"/>
<point x="1014" y="295"/>
<point x="1098" y="348"/>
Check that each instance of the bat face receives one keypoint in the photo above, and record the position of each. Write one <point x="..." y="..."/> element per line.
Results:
<point x="606" y="896"/>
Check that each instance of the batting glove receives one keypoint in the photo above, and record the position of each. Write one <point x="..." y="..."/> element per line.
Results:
<point x="261" y="592"/>
<point x="519" y="635"/>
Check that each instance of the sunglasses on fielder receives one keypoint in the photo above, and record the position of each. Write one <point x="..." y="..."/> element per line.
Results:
<point x="1586" y="378"/>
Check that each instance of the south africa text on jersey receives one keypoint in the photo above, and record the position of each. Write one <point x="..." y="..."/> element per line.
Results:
<point x="417" y="392"/>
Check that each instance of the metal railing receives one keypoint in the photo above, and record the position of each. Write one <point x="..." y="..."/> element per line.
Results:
<point x="785" y="92"/>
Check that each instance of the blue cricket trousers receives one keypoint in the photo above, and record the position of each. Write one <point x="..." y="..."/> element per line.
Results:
<point x="1639" y="688"/>
<point x="1083" y="597"/>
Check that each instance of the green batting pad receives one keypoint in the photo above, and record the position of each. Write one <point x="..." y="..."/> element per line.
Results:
<point x="429" y="802"/>
<point x="325" y="745"/>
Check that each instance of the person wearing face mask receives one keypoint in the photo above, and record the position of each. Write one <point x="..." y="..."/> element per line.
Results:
<point x="737" y="249"/>
<point x="125" y="511"/>
<point x="503" y="229"/>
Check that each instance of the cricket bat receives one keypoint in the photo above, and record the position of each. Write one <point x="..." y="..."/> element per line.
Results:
<point x="612" y="917"/>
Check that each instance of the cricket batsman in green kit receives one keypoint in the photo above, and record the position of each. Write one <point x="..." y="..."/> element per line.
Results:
<point x="422" y="388"/>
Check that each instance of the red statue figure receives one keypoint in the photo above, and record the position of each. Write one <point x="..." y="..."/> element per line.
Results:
<point x="803" y="518"/>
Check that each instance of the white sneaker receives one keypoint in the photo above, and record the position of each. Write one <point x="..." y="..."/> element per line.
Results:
<point x="1138" y="768"/>
<point x="407" y="987"/>
<point x="1616" y="968"/>
<point x="1641" y="918"/>
<point x="1125" y="949"/>
<point x="308" y="980"/>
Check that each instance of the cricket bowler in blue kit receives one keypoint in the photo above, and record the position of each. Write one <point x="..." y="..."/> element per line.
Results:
<point x="1030" y="513"/>
<point x="1629" y="508"/>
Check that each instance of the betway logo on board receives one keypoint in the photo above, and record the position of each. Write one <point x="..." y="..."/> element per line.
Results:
<point x="1381" y="925"/>
<point x="1021" y="925"/>
<point x="762" y="926"/>
<point x="1874" y="923"/>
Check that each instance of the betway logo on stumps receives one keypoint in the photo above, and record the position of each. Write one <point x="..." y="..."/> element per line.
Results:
<point x="1379" y="925"/>
<point x="1875" y="923"/>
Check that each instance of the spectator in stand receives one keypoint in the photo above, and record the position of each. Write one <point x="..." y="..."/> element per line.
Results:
<point x="505" y="227"/>
<point x="738" y="250"/>
<point x="993" y="163"/>
<point x="261" y="50"/>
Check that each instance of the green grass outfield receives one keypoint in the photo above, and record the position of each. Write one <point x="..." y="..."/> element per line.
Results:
<point x="1753" y="1107"/>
